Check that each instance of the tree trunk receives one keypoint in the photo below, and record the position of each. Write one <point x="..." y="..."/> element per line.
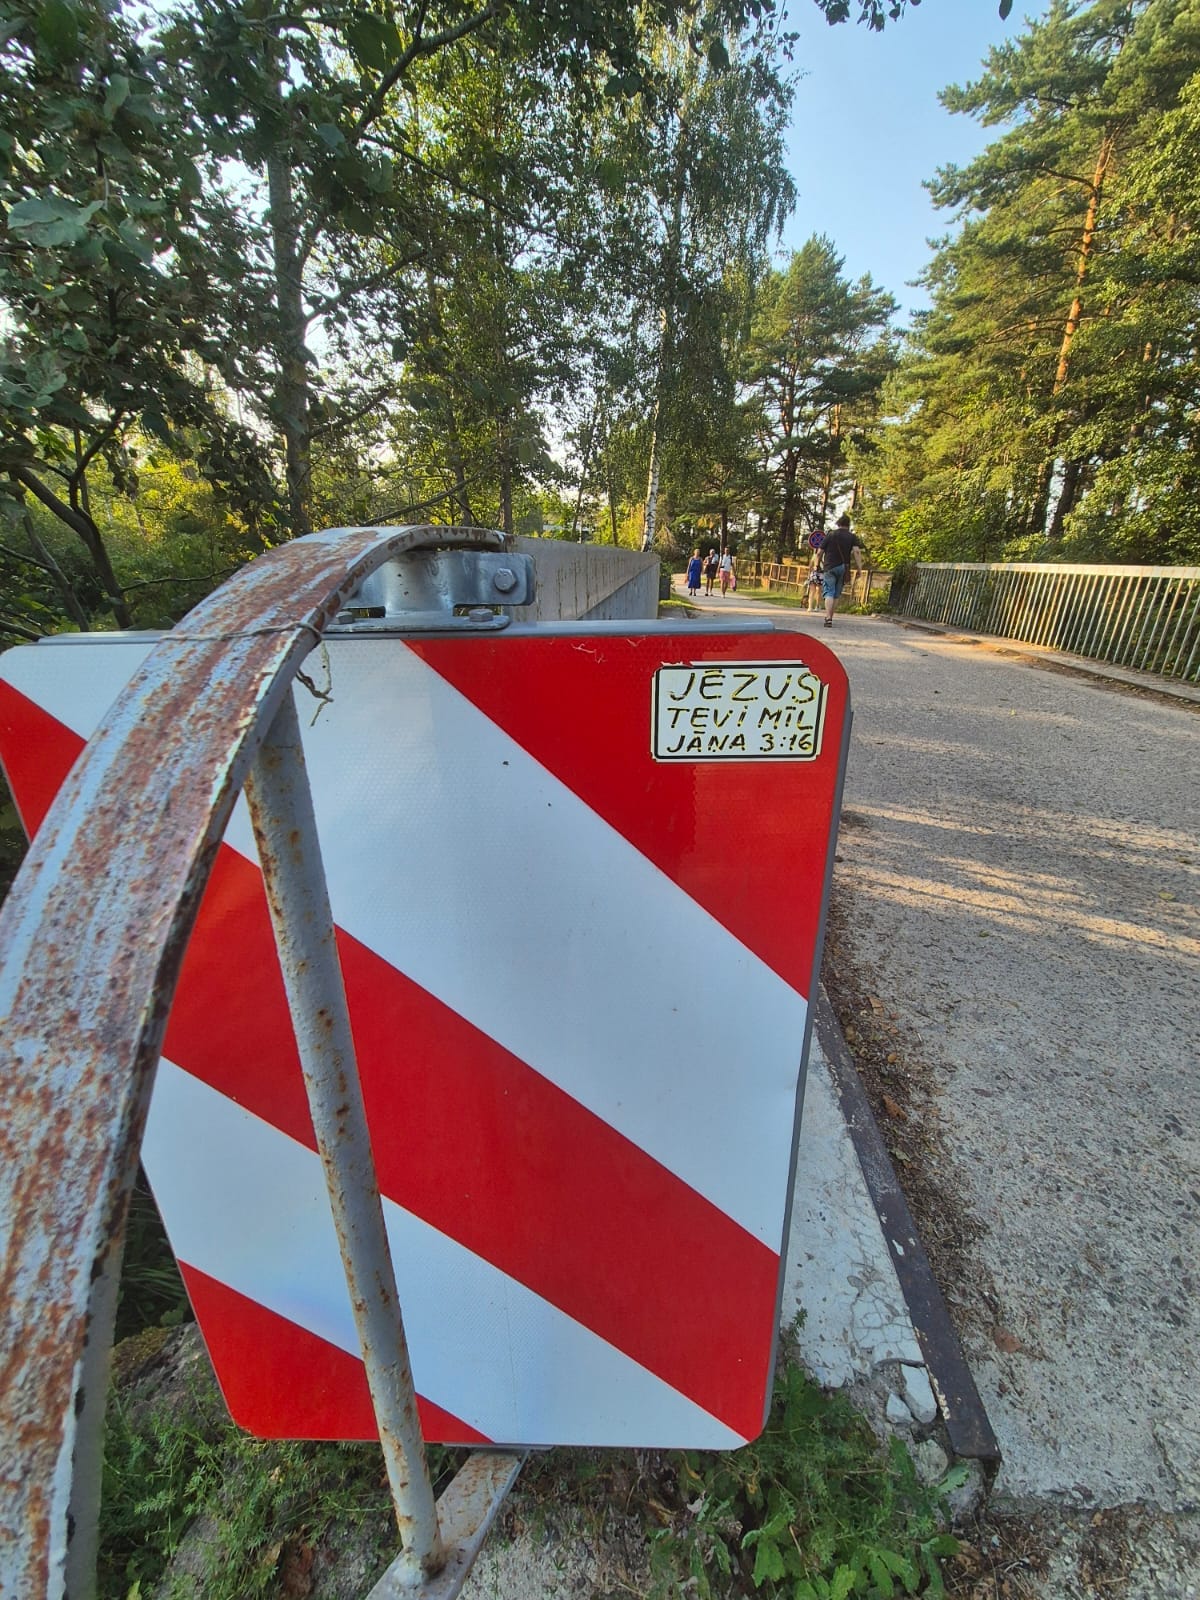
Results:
<point x="666" y="334"/>
<point x="835" y="440"/>
<point x="504" y="465"/>
<point x="652" y="484"/>
<point x="1035" y="520"/>
<point x="1150" y="358"/>
<point x="293" y="390"/>
<point x="461" y="499"/>
<point x="608" y="484"/>
<point x="1072" y="473"/>
<point x="71" y="602"/>
<point x="86" y="530"/>
<point x="1086" y="245"/>
<point x="587" y="456"/>
<point x="787" y="516"/>
<point x="1087" y="241"/>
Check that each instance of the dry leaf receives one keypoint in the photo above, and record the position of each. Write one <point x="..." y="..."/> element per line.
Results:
<point x="295" y="1571"/>
<point x="1008" y="1342"/>
<point x="893" y="1109"/>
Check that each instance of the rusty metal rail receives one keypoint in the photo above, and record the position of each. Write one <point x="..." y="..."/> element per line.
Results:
<point x="117" y="871"/>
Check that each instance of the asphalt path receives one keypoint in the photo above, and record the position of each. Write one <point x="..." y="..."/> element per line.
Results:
<point x="1020" y="879"/>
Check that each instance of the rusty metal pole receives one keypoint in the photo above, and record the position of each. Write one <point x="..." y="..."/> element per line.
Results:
<point x="281" y="810"/>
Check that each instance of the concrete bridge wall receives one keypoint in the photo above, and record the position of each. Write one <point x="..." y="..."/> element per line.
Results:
<point x="588" y="581"/>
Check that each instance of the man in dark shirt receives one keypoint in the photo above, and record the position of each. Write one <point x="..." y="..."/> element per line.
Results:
<point x="840" y="548"/>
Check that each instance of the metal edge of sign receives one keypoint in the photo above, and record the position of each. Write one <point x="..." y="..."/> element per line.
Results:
<point x="962" y="1409"/>
<point x="809" y="1018"/>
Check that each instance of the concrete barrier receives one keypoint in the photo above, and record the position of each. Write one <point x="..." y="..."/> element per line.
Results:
<point x="588" y="581"/>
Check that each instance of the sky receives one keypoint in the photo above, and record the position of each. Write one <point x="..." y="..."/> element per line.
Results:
<point x="867" y="129"/>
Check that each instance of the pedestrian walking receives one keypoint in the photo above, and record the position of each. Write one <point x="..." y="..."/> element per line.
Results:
<point x="727" y="570"/>
<point x="841" y="547"/>
<point x="813" y="583"/>
<point x="693" y="574"/>
<point x="710" y="571"/>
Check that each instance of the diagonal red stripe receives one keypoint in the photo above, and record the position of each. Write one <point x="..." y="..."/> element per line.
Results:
<point x="262" y="1359"/>
<point x="581" y="708"/>
<point x="473" y="1141"/>
<point x="37" y="753"/>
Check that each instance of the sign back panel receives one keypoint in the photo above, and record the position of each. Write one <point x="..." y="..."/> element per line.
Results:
<point x="578" y="878"/>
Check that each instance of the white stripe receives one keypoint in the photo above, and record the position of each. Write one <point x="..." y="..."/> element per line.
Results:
<point x="75" y="683"/>
<point x="247" y="1205"/>
<point x="465" y="864"/>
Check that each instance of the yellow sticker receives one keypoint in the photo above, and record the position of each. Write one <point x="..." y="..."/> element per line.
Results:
<point x="737" y="711"/>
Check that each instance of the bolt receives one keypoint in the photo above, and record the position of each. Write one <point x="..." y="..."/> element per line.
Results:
<point x="505" y="579"/>
<point x="480" y="614"/>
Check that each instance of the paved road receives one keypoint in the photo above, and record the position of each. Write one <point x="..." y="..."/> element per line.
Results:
<point x="1021" y="873"/>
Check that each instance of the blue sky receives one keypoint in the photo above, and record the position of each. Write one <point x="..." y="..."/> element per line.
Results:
<point x="867" y="129"/>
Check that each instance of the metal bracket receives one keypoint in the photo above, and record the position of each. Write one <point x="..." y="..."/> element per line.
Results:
<point x="439" y="591"/>
<point x="466" y="1511"/>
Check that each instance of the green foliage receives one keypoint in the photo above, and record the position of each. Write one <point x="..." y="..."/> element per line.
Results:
<point x="162" y="1473"/>
<point x="814" y="1510"/>
<point x="152" y="1294"/>
<point x="333" y="267"/>
<point x="12" y="841"/>
<point x="816" y="361"/>
<point x="120" y="272"/>
<point x="177" y="1471"/>
<point x="1046" y="403"/>
<point x="875" y="605"/>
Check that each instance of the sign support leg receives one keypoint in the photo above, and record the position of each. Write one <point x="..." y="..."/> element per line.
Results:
<point x="281" y="810"/>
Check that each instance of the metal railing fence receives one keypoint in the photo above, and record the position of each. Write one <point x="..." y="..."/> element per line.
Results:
<point x="791" y="578"/>
<point x="1145" y="618"/>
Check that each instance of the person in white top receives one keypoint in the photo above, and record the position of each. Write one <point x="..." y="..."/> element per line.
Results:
<point x="727" y="571"/>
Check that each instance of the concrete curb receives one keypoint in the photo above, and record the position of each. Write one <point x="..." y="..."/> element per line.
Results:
<point x="1170" y="689"/>
<point x="967" y="1426"/>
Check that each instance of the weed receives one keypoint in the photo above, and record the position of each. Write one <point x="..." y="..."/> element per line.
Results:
<point x="875" y="605"/>
<point x="152" y="1292"/>
<point x="813" y="1510"/>
<point x="186" y="1476"/>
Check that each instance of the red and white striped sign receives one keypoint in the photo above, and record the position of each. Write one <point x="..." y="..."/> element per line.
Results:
<point x="579" y="916"/>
